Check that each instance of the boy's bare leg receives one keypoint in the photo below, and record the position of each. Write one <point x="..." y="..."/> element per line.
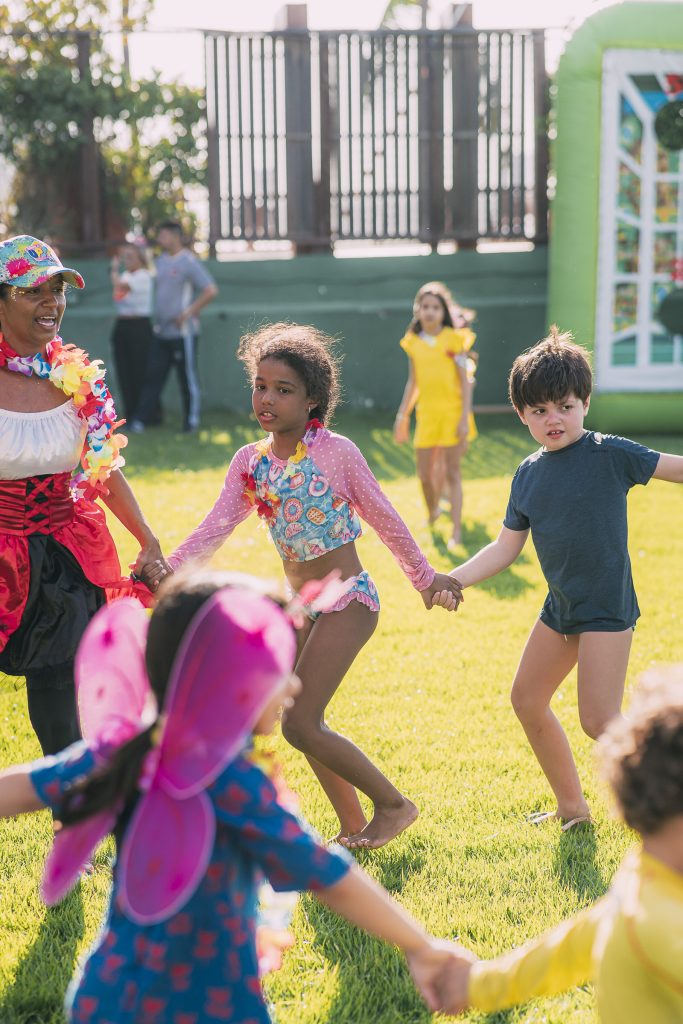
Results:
<point x="453" y="457"/>
<point x="603" y="661"/>
<point x="328" y="653"/>
<point x="425" y="460"/>
<point x="546" y="660"/>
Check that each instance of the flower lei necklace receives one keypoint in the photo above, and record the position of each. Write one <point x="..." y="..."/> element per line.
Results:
<point x="258" y="493"/>
<point x="70" y="370"/>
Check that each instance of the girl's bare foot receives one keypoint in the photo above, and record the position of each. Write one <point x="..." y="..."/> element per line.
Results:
<point x="386" y="824"/>
<point x="349" y="828"/>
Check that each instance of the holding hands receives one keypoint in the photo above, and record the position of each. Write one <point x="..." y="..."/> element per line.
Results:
<point x="452" y="984"/>
<point x="150" y="566"/>
<point x="445" y="592"/>
<point x="440" y="970"/>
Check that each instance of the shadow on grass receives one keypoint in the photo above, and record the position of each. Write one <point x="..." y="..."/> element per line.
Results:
<point x="575" y="863"/>
<point x="395" y="867"/>
<point x="498" y="451"/>
<point x="374" y="985"/>
<point x="37" y="994"/>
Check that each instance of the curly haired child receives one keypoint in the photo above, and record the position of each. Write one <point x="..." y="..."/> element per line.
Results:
<point x="629" y="943"/>
<point x="310" y="486"/>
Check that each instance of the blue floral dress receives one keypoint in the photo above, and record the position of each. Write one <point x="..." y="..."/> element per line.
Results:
<point x="200" y="965"/>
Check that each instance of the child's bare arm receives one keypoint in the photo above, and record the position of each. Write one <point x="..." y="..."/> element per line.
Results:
<point x="486" y="563"/>
<point x="410" y="393"/>
<point x="465" y="391"/>
<point x="670" y="468"/>
<point x="366" y="904"/>
<point x="17" y="795"/>
<point x="493" y="558"/>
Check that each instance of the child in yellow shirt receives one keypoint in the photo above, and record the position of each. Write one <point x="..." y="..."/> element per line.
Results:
<point x="439" y="389"/>
<point x="630" y="943"/>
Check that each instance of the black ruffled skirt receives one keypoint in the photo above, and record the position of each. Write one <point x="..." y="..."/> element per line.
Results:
<point x="61" y="602"/>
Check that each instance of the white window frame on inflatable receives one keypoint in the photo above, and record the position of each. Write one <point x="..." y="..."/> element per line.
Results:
<point x="617" y="66"/>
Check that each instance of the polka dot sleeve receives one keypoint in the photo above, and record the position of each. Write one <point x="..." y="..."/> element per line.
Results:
<point x="351" y="477"/>
<point x="231" y="508"/>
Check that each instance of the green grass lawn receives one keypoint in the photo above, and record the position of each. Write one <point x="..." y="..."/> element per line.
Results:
<point x="428" y="701"/>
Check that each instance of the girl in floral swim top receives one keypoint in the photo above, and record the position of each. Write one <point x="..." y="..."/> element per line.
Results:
<point x="310" y="486"/>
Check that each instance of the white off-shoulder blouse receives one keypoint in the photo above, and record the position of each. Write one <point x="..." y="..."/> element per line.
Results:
<point x="33" y="443"/>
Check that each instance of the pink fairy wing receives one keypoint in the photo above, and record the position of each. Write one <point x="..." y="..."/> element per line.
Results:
<point x="232" y="657"/>
<point x="71" y="850"/>
<point x="237" y="649"/>
<point x="111" y="678"/>
<point x="165" y="854"/>
<point x="113" y="693"/>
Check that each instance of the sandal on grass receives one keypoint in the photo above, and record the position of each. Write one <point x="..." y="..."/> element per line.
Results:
<point x="567" y="824"/>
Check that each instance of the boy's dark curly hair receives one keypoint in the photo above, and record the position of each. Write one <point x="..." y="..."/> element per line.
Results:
<point x="549" y="371"/>
<point x="642" y="755"/>
<point x="307" y="351"/>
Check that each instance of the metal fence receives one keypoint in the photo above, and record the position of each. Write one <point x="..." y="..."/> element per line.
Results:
<point x="316" y="137"/>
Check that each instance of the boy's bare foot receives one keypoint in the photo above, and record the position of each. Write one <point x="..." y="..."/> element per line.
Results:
<point x="567" y="821"/>
<point x="386" y="824"/>
<point x="453" y="542"/>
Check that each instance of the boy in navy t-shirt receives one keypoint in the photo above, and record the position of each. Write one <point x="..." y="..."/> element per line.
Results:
<point x="571" y="496"/>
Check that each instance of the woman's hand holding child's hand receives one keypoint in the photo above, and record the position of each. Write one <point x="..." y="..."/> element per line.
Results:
<point x="430" y="968"/>
<point x="452" y="985"/>
<point x="151" y="567"/>
<point x="445" y="592"/>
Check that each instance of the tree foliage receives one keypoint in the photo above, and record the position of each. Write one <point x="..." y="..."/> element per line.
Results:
<point x="150" y="133"/>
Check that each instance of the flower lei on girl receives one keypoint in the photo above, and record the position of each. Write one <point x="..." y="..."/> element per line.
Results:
<point x="70" y="370"/>
<point x="258" y="493"/>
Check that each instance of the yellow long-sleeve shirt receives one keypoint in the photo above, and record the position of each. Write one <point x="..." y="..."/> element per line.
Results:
<point x="630" y="944"/>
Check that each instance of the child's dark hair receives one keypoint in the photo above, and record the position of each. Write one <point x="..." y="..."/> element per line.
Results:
<point x="439" y="291"/>
<point x="643" y="754"/>
<point x="307" y="351"/>
<point x="551" y="370"/>
<point x="181" y="597"/>
<point x="171" y="225"/>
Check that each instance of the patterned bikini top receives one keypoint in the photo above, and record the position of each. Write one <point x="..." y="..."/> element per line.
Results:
<point x="311" y="502"/>
<point x="305" y="517"/>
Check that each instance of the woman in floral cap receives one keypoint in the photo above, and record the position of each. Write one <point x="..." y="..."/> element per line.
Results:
<point x="59" y="452"/>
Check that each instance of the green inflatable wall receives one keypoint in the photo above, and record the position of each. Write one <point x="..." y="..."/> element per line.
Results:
<point x="575" y="216"/>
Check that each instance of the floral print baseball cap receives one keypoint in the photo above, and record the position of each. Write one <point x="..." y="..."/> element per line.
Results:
<point x="25" y="261"/>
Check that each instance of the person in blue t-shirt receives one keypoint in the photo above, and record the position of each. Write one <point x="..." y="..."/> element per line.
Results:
<point x="571" y="496"/>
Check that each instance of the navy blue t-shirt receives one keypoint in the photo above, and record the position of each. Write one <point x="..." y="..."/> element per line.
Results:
<point x="574" y="502"/>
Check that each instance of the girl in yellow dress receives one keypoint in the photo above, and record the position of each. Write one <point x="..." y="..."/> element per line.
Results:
<point x="437" y="343"/>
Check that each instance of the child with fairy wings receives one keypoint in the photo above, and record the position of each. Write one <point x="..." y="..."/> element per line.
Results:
<point x="309" y="485"/>
<point x="197" y="822"/>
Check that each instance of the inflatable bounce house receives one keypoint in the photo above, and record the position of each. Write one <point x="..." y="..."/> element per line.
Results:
<point x="616" y="258"/>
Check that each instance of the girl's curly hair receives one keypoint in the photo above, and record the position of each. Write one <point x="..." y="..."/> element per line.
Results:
<point x="642" y="755"/>
<point x="307" y="351"/>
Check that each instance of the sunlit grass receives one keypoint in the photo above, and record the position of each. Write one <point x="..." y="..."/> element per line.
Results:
<point x="428" y="700"/>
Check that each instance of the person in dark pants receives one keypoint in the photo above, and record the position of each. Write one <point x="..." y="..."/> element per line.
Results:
<point x="131" y="337"/>
<point x="58" y="562"/>
<point x="182" y="288"/>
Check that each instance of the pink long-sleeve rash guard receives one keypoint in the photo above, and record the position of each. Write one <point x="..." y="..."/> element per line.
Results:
<point x="340" y="462"/>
